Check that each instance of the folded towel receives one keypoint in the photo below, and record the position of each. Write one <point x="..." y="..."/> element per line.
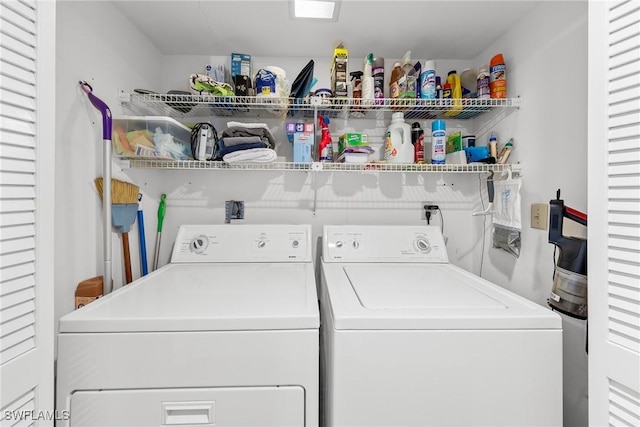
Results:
<point x="247" y="125"/>
<point x="239" y="131"/>
<point x="230" y="141"/>
<point x="262" y="155"/>
<point x="221" y="150"/>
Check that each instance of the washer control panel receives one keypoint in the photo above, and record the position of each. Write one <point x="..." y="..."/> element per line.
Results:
<point x="242" y="243"/>
<point x="345" y="243"/>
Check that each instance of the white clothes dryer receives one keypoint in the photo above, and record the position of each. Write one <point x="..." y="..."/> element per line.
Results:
<point x="408" y="339"/>
<point x="227" y="334"/>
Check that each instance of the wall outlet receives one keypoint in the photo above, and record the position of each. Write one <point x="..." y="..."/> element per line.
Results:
<point x="234" y="209"/>
<point x="539" y="215"/>
<point x="423" y="211"/>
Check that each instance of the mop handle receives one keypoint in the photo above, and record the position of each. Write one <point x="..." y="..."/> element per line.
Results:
<point x="106" y="168"/>
<point x="101" y="106"/>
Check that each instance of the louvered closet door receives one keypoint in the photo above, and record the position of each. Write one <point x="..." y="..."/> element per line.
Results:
<point x="27" y="105"/>
<point x="614" y="213"/>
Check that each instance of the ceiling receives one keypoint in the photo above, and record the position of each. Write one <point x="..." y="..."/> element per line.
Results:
<point x="429" y="28"/>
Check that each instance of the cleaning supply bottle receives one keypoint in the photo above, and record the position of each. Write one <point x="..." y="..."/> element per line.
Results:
<point x="378" y="80"/>
<point x="438" y="141"/>
<point x="483" y="83"/>
<point x="468" y="81"/>
<point x="368" y="89"/>
<point x="498" y="77"/>
<point x="397" y="78"/>
<point x="410" y="77"/>
<point x="356" y="84"/>
<point x="446" y="92"/>
<point x="453" y="79"/>
<point x="504" y="153"/>
<point x="398" y="147"/>
<point x="325" y="148"/>
<point x="493" y="146"/>
<point x="417" y="139"/>
<point x="428" y="80"/>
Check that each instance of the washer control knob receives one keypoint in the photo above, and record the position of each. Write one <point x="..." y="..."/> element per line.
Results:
<point x="199" y="244"/>
<point x="262" y="244"/>
<point x="295" y="243"/>
<point x="423" y="245"/>
<point x="355" y="244"/>
<point x="338" y="244"/>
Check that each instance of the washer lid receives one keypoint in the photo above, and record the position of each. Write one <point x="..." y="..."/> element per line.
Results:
<point x="206" y="297"/>
<point x="425" y="296"/>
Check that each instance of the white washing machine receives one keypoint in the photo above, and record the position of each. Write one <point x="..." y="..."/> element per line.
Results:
<point x="224" y="335"/>
<point x="408" y="339"/>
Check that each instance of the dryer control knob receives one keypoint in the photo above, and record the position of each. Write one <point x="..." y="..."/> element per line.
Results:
<point x="355" y="244"/>
<point x="295" y="243"/>
<point x="262" y="244"/>
<point x="199" y="244"/>
<point x="422" y="245"/>
<point x="338" y="244"/>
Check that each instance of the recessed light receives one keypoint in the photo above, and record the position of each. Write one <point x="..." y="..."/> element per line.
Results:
<point x="314" y="9"/>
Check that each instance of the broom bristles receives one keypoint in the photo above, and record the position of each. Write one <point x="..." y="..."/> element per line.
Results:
<point x="122" y="193"/>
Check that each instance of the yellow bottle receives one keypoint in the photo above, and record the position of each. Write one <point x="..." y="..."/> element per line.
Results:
<point x="456" y="94"/>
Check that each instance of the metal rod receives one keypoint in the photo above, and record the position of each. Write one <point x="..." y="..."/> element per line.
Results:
<point x="106" y="208"/>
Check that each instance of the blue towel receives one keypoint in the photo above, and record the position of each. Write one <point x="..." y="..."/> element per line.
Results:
<point x="221" y="149"/>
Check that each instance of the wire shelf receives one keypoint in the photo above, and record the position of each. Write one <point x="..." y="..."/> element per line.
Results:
<point x="320" y="167"/>
<point x="175" y="105"/>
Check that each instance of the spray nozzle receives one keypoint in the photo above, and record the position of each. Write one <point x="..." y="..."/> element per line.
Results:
<point x="406" y="59"/>
<point x="323" y="121"/>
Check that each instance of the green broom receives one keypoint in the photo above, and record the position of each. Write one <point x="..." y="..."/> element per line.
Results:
<point x="124" y="208"/>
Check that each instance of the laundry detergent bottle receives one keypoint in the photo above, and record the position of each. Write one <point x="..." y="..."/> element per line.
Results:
<point x="398" y="147"/>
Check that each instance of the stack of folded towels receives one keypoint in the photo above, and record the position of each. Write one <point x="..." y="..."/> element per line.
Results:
<point x="246" y="142"/>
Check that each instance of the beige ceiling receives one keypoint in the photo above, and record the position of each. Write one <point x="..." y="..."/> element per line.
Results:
<point x="430" y="29"/>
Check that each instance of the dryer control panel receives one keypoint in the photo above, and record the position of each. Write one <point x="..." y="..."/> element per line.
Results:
<point x="383" y="243"/>
<point x="242" y="243"/>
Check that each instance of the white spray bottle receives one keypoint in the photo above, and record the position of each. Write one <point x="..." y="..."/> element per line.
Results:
<point x="368" y="89"/>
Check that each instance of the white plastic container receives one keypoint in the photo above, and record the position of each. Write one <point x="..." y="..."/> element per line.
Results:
<point x="398" y="147"/>
<point x="151" y="137"/>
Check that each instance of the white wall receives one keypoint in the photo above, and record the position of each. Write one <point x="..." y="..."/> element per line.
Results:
<point x="97" y="44"/>
<point x="546" y="60"/>
<point x="546" y="56"/>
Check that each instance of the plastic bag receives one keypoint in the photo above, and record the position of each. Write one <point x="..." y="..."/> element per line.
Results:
<point x="507" y="217"/>
<point x="167" y="147"/>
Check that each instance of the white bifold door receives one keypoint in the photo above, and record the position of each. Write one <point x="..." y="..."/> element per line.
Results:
<point x="614" y="213"/>
<point x="27" y="113"/>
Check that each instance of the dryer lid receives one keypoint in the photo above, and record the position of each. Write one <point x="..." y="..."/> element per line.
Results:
<point x="425" y="296"/>
<point x="206" y="297"/>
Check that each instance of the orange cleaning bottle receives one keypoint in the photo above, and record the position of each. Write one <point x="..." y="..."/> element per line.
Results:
<point x="498" y="77"/>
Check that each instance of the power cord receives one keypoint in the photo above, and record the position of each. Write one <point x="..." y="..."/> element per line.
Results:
<point x="484" y="225"/>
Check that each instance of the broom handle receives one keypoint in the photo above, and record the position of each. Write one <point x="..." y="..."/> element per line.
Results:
<point x="127" y="257"/>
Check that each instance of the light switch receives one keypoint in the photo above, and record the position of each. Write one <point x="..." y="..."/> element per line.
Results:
<point x="539" y="215"/>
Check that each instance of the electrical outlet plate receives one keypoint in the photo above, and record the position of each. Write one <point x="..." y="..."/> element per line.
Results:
<point x="423" y="211"/>
<point x="539" y="215"/>
<point x="233" y="209"/>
